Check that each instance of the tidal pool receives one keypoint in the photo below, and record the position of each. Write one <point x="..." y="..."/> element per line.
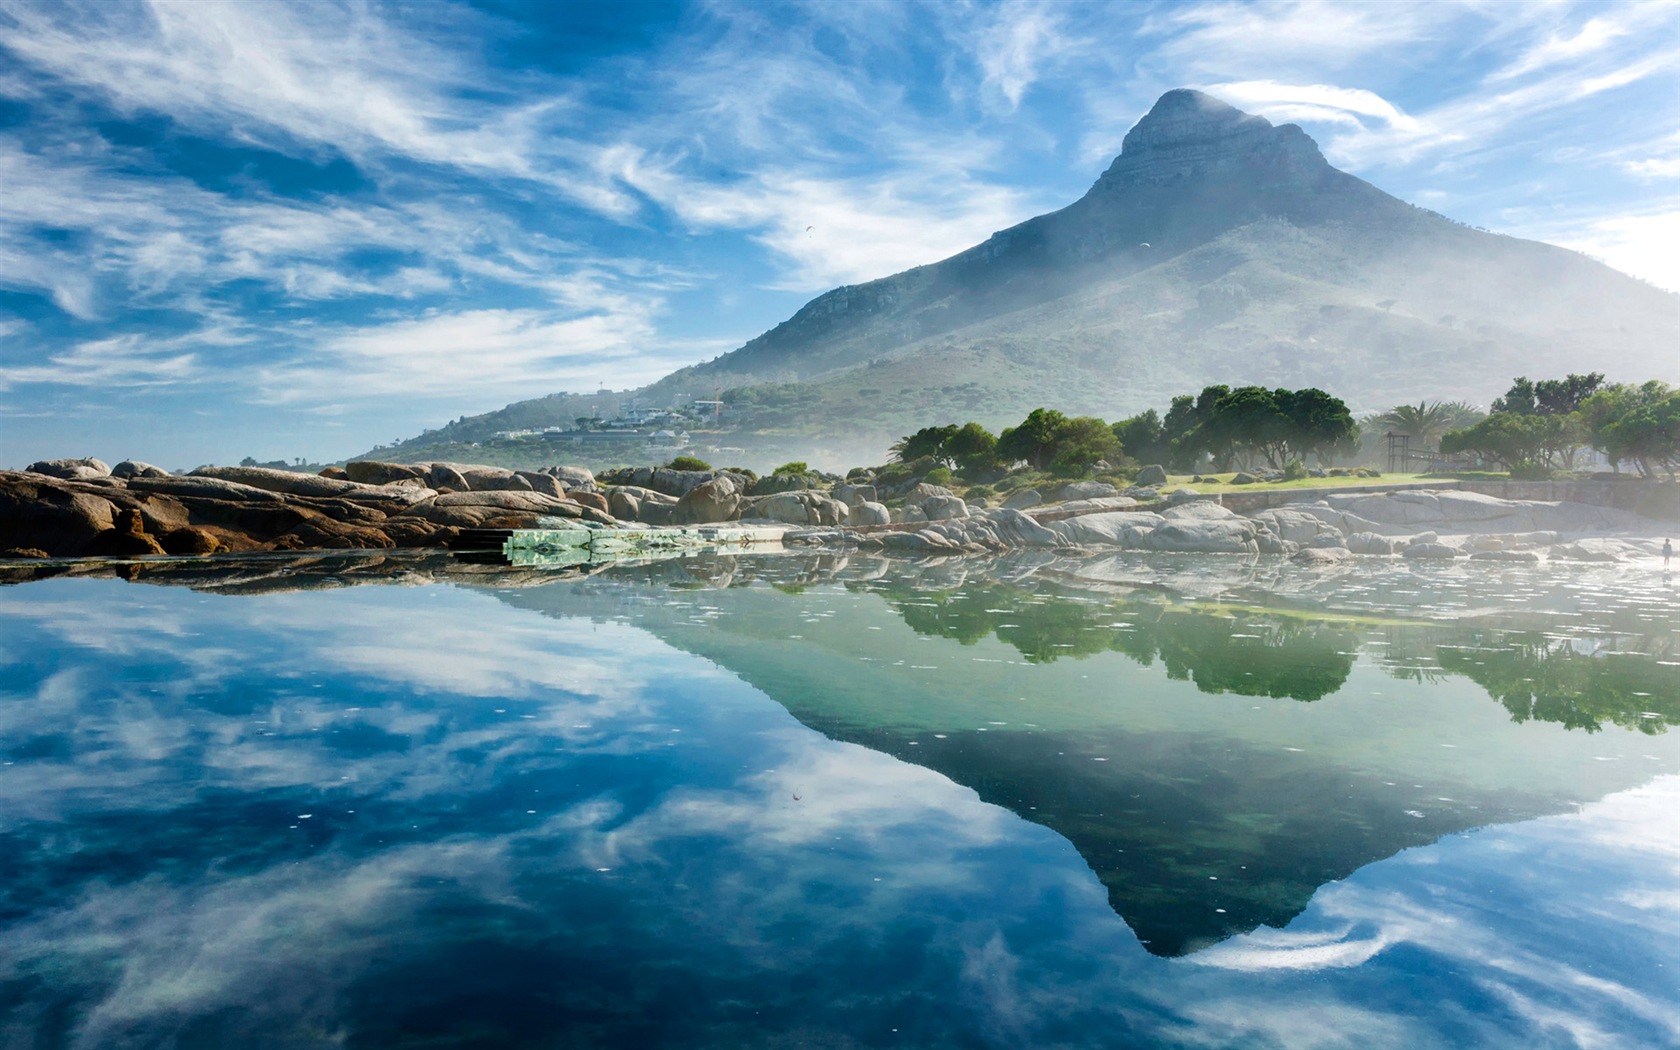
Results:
<point x="794" y="800"/>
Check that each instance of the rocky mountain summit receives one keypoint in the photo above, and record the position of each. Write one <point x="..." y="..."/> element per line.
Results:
<point x="1216" y="247"/>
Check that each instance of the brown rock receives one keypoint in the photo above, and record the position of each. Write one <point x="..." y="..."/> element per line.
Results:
<point x="24" y="552"/>
<point x="376" y="472"/>
<point x="623" y="506"/>
<point x="326" y="534"/>
<point x="44" y="514"/>
<point x="335" y="473"/>
<point x="191" y="540"/>
<point x="546" y="484"/>
<point x="120" y="543"/>
<point x="410" y="531"/>
<point x="591" y="499"/>
<point x="442" y="476"/>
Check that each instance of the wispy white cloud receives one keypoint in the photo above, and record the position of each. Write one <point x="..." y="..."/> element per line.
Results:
<point x="1593" y="37"/>
<point x="120" y="361"/>
<point x="487" y="356"/>
<point x="1272" y="99"/>
<point x="1013" y="49"/>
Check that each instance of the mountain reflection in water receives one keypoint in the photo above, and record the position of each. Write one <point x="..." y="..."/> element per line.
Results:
<point x="437" y="793"/>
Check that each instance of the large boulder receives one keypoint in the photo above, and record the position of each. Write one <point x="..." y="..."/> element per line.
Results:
<point x="594" y="500"/>
<point x="1014" y="528"/>
<point x="1021" y="499"/>
<point x="1372" y="543"/>
<point x="853" y="494"/>
<point x="443" y="477"/>
<point x="1518" y="557"/>
<point x="493" y="479"/>
<point x="71" y="469"/>
<point x="289" y="482"/>
<point x="623" y="505"/>
<point x="378" y="472"/>
<point x="677" y="483"/>
<point x="1206" y="536"/>
<point x="547" y="484"/>
<point x="1315" y="557"/>
<point x="1429" y="552"/>
<point x="190" y="539"/>
<point x="190" y="486"/>
<point x="1296" y="526"/>
<point x="799" y="508"/>
<point x="38" y="513"/>
<point x="870" y="513"/>
<point x="133" y="468"/>
<point x="1120" y="528"/>
<point x="1198" y="510"/>
<point x="1086" y="490"/>
<point x="713" y="500"/>
<point x="573" y="478"/>
<point x="771" y="484"/>
<point x="1592" y="550"/>
<point x="1152" y="475"/>
<point x="941" y="508"/>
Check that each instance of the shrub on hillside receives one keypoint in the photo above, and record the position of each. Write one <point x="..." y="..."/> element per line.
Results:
<point x="688" y="463"/>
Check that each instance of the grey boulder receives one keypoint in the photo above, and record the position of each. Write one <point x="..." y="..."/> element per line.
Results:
<point x="71" y="469"/>
<point x="1154" y="474"/>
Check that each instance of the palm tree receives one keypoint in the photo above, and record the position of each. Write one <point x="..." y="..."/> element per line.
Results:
<point x="1424" y="423"/>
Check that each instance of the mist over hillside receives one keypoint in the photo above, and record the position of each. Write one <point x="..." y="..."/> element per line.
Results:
<point x="1216" y="248"/>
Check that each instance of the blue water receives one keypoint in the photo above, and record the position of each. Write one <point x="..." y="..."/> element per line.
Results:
<point x="463" y="813"/>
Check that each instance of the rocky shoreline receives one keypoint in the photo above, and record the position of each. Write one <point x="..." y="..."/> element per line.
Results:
<point x="82" y="508"/>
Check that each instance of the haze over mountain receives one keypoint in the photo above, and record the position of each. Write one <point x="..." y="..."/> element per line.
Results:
<point x="1216" y="248"/>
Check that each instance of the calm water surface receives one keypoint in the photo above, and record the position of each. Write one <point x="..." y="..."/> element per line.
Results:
<point x="793" y="800"/>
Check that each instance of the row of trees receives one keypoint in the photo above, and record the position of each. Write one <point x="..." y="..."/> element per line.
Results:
<point x="1535" y="428"/>
<point x="1242" y="427"/>
<point x="1539" y="427"/>
<point x="1234" y="427"/>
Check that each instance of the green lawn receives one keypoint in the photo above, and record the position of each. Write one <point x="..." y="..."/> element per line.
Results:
<point x="1222" y="482"/>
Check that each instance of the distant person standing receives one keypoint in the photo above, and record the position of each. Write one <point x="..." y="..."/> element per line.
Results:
<point x="1668" y="551"/>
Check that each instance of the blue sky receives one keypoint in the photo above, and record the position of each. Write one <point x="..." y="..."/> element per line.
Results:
<point x="299" y="230"/>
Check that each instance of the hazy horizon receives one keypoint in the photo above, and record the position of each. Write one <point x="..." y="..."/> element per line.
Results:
<point x="300" y="231"/>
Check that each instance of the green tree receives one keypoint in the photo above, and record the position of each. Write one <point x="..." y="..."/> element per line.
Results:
<point x="1637" y="424"/>
<point x="1549" y="397"/>
<point x="971" y="449"/>
<point x="1143" y="437"/>
<point x="1034" y="441"/>
<point x="1189" y="436"/>
<point x="1518" y="441"/>
<point x="926" y="442"/>
<point x="1081" y="442"/>
<point x="688" y="463"/>
<point x="1318" y="424"/>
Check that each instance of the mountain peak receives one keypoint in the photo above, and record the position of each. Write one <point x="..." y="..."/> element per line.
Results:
<point x="1189" y="132"/>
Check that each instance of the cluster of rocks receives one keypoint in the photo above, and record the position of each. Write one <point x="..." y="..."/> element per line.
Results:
<point x="1416" y="525"/>
<point x="77" y="508"/>
<point x="1255" y="477"/>
<point x="84" y="508"/>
